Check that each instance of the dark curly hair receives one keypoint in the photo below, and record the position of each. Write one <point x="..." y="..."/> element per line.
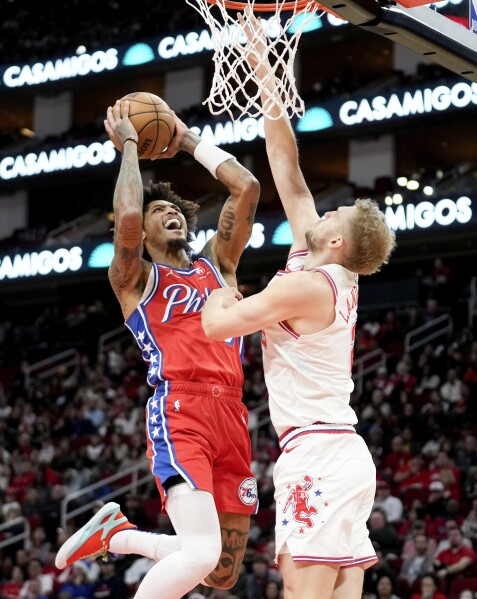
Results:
<point x="163" y="191"/>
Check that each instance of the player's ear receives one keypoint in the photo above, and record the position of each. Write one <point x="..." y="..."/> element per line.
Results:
<point x="335" y="242"/>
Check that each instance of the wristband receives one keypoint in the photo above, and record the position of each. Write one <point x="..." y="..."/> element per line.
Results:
<point x="130" y="139"/>
<point x="210" y="156"/>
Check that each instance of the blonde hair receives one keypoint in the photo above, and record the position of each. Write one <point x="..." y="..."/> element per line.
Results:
<point x="371" y="239"/>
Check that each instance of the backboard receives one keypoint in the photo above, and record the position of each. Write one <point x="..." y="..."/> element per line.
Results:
<point x="419" y="28"/>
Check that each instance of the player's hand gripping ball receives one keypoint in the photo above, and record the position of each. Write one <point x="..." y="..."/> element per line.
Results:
<point x="154" y="122"/>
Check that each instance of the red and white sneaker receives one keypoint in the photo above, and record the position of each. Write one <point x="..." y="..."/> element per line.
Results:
<point x="92" y="540"/>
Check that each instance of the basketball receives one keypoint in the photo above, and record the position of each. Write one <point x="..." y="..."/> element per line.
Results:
<point x="153" y="120"/>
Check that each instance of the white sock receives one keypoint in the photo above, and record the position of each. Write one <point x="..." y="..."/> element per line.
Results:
<point x="194" y="517"/>
<point x="153" y="545"/>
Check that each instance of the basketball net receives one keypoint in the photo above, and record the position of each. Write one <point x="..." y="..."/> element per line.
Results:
<point x="235" y="85"/>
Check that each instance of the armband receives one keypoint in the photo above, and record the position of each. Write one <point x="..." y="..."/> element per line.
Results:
<point x="210" y="156"/>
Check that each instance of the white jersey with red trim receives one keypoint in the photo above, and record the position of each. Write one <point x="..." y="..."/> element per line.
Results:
<point x="309" y="376"/>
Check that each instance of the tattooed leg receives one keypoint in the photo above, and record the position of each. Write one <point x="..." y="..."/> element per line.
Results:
<point x="234" y="528"/>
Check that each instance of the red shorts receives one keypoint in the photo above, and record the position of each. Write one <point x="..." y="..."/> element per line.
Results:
<point x="199" y="431"/>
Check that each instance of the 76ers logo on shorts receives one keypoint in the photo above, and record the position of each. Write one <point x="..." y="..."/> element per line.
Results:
<point x="248" y="491"/>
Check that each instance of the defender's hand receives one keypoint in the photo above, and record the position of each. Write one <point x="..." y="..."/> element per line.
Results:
<point x="224" y="297"/>
<point x="175" y="145"/>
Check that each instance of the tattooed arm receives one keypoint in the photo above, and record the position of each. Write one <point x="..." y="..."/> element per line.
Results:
<point x="236" y="218"/>
<point x="126" y="270"/>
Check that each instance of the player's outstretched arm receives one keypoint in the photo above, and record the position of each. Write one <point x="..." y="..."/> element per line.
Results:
<point x="226" y="315"/>
<point x="237" y="215"/>
<point x="125" y="271"/>
<point x="281" y="145"/>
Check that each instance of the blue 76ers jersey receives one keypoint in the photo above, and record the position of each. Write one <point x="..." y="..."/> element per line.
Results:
<point x="168" y="329"/>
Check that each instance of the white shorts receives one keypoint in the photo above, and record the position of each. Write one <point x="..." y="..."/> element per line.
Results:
<point x="325" y="482"/>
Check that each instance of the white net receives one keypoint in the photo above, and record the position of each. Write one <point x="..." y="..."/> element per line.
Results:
<point x="236" y="88"/>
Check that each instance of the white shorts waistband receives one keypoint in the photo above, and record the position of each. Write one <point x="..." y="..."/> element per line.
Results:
<point x="331" y="429"/>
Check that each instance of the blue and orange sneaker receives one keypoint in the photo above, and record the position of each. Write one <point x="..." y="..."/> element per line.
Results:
<point x="92" y="540"/>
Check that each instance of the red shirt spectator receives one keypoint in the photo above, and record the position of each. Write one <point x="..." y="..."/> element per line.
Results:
<point x="414" y="474"/>
<point x="457" y="561"/>
<point x="429" y="586"/>
<point x="402" y="379"/>
<point x="399" y="457"/>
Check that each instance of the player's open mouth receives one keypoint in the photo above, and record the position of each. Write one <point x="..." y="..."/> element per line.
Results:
<point x="173" y="224"/>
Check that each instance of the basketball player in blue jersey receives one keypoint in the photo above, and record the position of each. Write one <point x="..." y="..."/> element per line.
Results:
<point x="325" y="476"/>
<point x="196" y="424"/>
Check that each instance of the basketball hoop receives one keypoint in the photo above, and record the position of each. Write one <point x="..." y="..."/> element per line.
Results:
<point x="260" y="7"/>
<point x="236" y="89"/>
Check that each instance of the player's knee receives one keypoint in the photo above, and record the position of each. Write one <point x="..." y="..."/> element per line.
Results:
<point x="203" y="553"/>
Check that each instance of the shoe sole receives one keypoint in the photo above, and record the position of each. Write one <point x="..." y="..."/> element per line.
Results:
<point x="71" y="545"/>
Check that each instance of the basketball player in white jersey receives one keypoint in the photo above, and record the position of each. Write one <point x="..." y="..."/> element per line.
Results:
<point x="325" y="477"/>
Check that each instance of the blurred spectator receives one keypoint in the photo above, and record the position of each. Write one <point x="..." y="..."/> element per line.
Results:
<point x="135" y="512"/>
<point x="398" y="457"/>
<point x="136" y="571"/>
<point x="382" y="381"/>
<point x="39" y="546"/>
<point x="466" y="594"/>
<point x="12" y="587"/>
<point x="378" y="406"/>
<point x="385" y="589"/>
<point x="260" y="576"/>
<point x="409" y="550"/>
<point x="429" y="588"/>
<point x="374" y="573"/>
<point x="451" y="390"/>
<point x="383" y="533"/>
<point x="432" y="311"/>
<point x="37" y="583"/>
<point x="414" y="474"/>
<point x="32" y="589"/>
<point x="391" y="505"/>
<point x="466" y="454"/>
<point x="428" y="380"/>
<point x="109" y="585"/>
<point x="445" y="543"/>
<point x="272" y="590"/>
<point x="78" y="587"/>
<point x="436" y="501"/>
<point x="439" y="282"/>
<point x="403" y="379"/>
<point x="391" y="335"/>
<point x="415" y="567"/>
<point x="469" y="525"/>
<point x="457" y="561"/>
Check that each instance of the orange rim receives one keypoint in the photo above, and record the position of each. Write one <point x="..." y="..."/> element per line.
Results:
<point x="299" y="5"/>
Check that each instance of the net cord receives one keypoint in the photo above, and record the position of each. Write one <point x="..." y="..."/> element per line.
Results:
<point x="236" y="88"/>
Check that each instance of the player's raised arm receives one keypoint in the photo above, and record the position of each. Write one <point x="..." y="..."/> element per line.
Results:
<point x="237" y="215"/>
<point x="125" y="271"/>
<point x="282" y="149"/>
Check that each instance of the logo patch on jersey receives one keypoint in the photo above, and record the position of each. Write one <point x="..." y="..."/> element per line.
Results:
<point x="298" y="501"/>
<point x="289" y="449"/>
<point x="177" y="406"/>
<point x="248" y="491"/>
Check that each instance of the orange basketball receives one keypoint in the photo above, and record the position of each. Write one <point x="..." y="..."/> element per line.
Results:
<point x="153" y="120"/>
